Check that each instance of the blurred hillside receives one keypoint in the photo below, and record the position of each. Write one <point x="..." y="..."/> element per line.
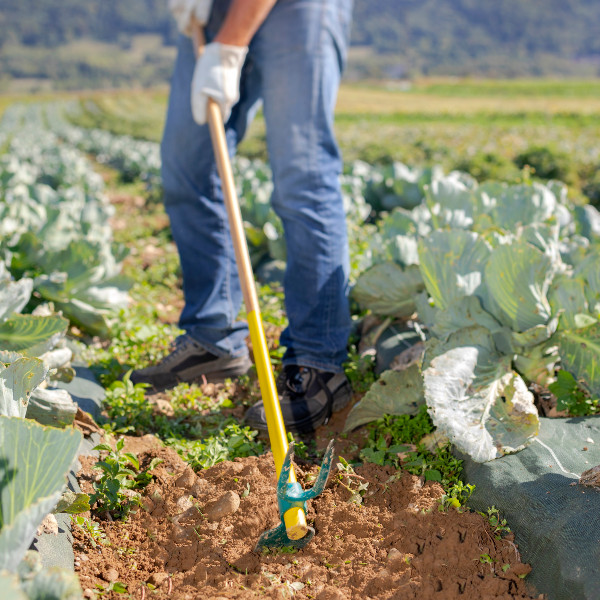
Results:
<point x="99" y="43"/>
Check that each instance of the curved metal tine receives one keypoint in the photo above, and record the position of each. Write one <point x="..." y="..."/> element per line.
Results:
<point x="321" y="480"/>
<point x="284" y="475"/>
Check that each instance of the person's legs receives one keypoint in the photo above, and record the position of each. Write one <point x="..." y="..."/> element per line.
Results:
<point x="300" y="50"/>
<point x="214" y="344"/>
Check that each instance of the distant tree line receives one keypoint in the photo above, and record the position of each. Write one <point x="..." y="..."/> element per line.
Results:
<point x="51" y="23"/>
<point x="402" y="37"/>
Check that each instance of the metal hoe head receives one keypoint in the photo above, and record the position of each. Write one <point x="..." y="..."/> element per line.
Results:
<point x="291" y="495"/>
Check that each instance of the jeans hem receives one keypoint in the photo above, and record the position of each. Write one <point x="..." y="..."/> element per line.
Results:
<point x="219" y="352"/>
<point x="313" y="364"/>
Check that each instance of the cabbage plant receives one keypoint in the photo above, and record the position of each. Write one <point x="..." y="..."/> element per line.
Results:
<point x="511" y="292"/>
<point x="54" y="225"/>
<point x="34" y="461"/>
<point x="29" y="346"/>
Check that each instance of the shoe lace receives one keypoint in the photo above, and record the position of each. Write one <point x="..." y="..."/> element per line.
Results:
<point x="296" y="379"/>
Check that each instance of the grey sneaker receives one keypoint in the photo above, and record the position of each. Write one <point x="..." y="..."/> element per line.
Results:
<point x="189" y="362"/>
<point x="307" y="396"/>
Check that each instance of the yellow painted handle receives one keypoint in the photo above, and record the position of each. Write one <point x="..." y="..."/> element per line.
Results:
<point x="295" y="519"/>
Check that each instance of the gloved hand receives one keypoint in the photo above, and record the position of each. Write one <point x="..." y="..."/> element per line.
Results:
<point x="217" y="75"/>
<point x="184" y="10"/>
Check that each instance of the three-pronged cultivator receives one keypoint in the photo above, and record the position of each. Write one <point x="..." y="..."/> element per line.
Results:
<point x="291" y="496"/>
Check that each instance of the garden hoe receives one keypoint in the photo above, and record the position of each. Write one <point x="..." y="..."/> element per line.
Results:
<point x="293" y="530"/>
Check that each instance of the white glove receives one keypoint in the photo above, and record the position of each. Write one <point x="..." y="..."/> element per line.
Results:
<point x="184" y="10"/>
<point x="217" y="75"/>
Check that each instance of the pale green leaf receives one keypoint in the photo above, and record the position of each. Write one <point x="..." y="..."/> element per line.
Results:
<point x="579" y="351"/>
<point x="11" y="589"/>
<point x="17" y="381"/>
<point x="85" y="316"/>
<point x="452" y="265"/>
<point x="387" y="289"/>
<point x="588" y="270"/>
<point x="463" y="312"/>
<point x="54" y="583"/>
<point x="398" y="222"/>
<point x="588" y="220"/>
<point x="517" y="277"/>
<point x="567" y="295"/>
<point x="394" y="393"/>
<point x="536" y="335"/>
<point x="34" y="461"/>
<point x="402" y="249"/>
<point x="475" y="398"/>
<point x="522" y="205"/>
<point x="537" y="363"/>
<point x="582" y="320"/>
<point x="14" y="295"/>
<point x="451" y="202"/>
<point x="32" y="335"/>
<point x="426" y="310"/>
<point x="8" y="357"/>
<point x="544" y="237"/>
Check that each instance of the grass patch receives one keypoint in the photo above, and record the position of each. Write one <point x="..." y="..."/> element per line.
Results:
<point x="399" y="441"/>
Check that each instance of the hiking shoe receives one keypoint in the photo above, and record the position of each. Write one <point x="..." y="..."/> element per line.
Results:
<point x="189" y="362"/>
<point x="307" y="397"/>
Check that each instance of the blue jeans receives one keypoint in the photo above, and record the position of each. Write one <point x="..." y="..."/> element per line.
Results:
<point x="293" y="65"/>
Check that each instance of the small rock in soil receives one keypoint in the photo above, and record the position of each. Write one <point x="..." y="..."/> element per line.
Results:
<point x="201" y="486"/>
<point x="110" y="574"/>
<point x="147" y="504"/>
<point x="184" y="503"/>
<point x="157" y="579"/>
<point x="227" y="504"/>
<point x="398" y="560"/>
<point x="189" y="514"/>
<point x="180" y="534"/>
<point x="186" y="480"/>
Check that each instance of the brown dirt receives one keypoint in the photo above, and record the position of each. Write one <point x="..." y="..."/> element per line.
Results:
<point x="184" y="543"/>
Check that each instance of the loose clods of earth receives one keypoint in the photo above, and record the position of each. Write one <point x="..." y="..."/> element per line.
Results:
<point x="194" y="538"/>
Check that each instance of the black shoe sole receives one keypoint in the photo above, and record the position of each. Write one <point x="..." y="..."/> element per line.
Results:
<point x="220" y="376"/>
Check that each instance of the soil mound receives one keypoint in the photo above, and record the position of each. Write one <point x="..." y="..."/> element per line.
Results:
<point x="194" y="538"/>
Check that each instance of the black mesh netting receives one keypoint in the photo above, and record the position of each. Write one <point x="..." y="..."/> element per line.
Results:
<point x="556" y="524"/>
